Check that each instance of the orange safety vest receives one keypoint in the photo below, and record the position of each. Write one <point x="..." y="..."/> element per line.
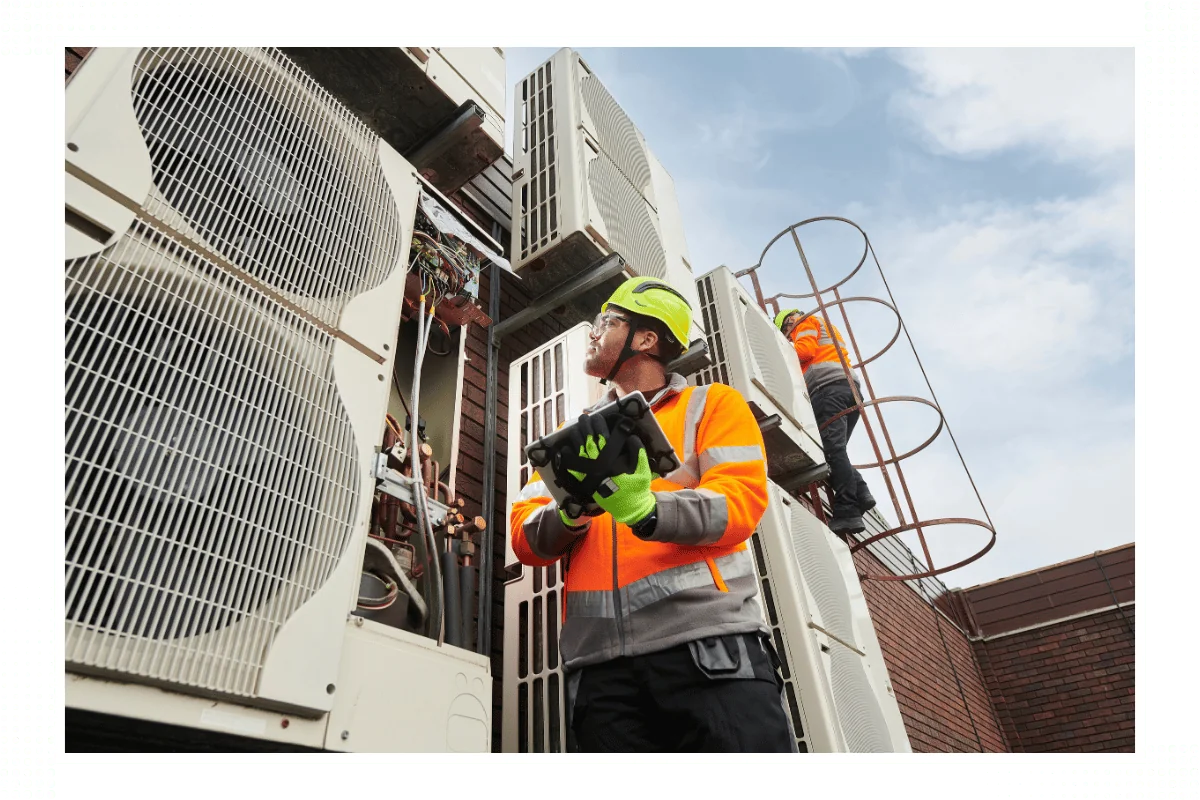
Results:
<point x="625" y="596"/>
<point x="817" y="352"/>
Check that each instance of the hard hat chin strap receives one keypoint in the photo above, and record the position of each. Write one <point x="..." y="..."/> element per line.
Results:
<point x="627" y="353"/>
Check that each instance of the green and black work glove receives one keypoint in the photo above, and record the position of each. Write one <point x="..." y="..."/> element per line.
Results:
<point x="625" y="491"/>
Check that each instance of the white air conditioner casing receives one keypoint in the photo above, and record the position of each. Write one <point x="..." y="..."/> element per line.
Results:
<point x="477" y="73"/>
<point x="239" y="240"/>
<point x="439" y="701"/>
<point x="546" y="387"/>
<point x="795" y="622"/>
<point x="585" y="185"/>
<point x="749" y="354"/>
<point x="814" y="582"/>
<point x="468" y="73"/>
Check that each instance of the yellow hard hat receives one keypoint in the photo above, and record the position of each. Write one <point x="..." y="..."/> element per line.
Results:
<point x="651" y="297"/>
<point x="782" y="316"/>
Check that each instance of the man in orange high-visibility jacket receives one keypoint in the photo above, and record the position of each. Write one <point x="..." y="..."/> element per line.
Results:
<point x="830" y="393"/>
<point x="663" y="639"/>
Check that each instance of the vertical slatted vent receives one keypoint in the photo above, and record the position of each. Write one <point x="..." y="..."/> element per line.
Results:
<point x="719" y="371"/>
<point x="537" y="596"/>
<point x="539" y="193"/>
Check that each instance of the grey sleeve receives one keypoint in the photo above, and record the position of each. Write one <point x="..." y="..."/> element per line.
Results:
<point x="547" y="535"/>
<point x="690" y="517"/>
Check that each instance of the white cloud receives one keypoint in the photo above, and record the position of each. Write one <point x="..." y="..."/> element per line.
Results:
<point x="1059" y="504"/>
<point x="1050" y="497"/>
<point x="1073" y="103"/>
<point x="1042" y="288"/>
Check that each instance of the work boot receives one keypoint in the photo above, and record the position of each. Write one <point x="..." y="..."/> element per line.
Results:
<point x="847" y="525"/>
<point x="866" y="503"/>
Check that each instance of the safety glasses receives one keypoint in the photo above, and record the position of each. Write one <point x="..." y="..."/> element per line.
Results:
<point x="605" y="321"/>
<point x="790" y="322"/>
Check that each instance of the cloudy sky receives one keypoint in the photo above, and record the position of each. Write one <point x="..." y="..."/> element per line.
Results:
<point x="997" y="190"/>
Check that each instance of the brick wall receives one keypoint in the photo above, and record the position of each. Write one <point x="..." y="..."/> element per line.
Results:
<point x="1067" y="686"/>
<point x="915" y="640"/>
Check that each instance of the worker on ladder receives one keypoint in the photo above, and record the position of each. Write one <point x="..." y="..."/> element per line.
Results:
<point x="830" y="392"/>
<point x="663" y="639"/>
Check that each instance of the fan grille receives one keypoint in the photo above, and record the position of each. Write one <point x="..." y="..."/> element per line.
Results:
<point x="631" y="231"/>
<point x="769" y="357"/>
<point x="211" y="470"/>
<point x="858" y="709"/>
<point x="253" y="156"/>
<point x="616" y="134"/>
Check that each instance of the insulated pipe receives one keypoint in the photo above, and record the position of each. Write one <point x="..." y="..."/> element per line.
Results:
<point x="467" y="581"/>
<point x="453" y="595"/>
<point x="483" y="639"/>
<point x="437" y="616"/>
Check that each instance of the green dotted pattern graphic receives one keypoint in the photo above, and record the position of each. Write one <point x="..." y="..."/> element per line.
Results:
<point x="27" y="659"/>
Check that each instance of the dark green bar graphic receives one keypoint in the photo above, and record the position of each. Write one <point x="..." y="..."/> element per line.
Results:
<point x="103" y="783"/>
<point x="1175" y="266"/>
<point x="24" y="328"/>
<point x="628" y="16"/>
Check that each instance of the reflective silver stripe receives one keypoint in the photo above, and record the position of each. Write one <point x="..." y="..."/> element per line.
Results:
<point x="802" y="334"/>
<point x="691" y="517"/>
<point x="688" y="474"/>
<point x="691" y="421"/>
<point x="825" y="336"/>
<point x="659" y="586"/>
<point x="726" y="455"/>
<point x="826" y="367"/>
<point x="590" y="604"/>
<point x="532" y="490"/>
<point x="712" y="519"/>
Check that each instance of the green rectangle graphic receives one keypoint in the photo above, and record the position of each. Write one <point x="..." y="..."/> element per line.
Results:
<point x="588" y="782"/>
<point x="24" y="328"/>
<point x="627" y="16"/>
<point x="1175" y="245"/>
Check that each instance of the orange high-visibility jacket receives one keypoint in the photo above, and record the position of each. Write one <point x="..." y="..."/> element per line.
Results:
<point x="626" y="596"/>
<point x="817" y="352"/>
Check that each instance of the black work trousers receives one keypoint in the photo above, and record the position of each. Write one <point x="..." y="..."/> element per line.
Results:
<point x="715" y="695"/>
<point x="850" y="492"/>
